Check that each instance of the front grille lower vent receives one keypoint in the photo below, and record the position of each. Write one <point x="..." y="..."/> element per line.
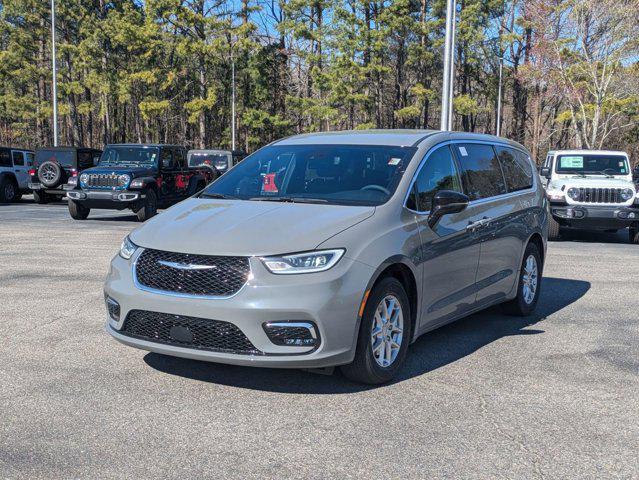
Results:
<point x="187" y="274"/>
<point x="187" y="332"/>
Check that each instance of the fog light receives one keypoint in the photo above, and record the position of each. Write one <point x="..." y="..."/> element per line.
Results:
<point x="622" y="214"/>
<point x="113" y="308"/>
<point x="292" y="334"/>
<point x="579" y="213"/>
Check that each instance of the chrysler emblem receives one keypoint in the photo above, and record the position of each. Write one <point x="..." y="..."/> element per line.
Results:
<point x="185" y="266"/>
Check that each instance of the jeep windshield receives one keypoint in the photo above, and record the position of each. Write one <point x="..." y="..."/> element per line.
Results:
<point x="592" y="165"/>
<point x="129" y="155"/>
<point x="327" y="174"/>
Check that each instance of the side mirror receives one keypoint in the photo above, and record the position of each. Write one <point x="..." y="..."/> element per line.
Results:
<point x="545" y="172"/>
<point x="446" y="202"/>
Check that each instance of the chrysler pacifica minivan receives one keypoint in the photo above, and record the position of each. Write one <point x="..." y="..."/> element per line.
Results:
<point x="335" y="249"/>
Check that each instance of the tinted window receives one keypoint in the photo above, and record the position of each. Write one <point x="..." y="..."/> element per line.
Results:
<point x="218" y="160"/>
<point x="516" y="167"/>
<point x="126" y="155"/>
<point x="179" y="155"/>
<point x="85" y="159"/>
<point x="66" y="158"/>
<point x="481" y="172"/>
<point x="5" y="158"/>
<point x="30" y="159"/>
<point x="18" y="159"/>
<point x="334" y="174"/>
<point x="438" y="173"/>
<point x="166" y="154"/>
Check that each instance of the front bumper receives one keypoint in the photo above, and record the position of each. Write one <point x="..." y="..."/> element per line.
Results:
<point x="110" y="199"/>
<point x="595" y="217"/>
<point x="329" y="300"/>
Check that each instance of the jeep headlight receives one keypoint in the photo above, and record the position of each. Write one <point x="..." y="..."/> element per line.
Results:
<point x="123" y="180"/>
<point x="308" y="262"/>
<point x="84" y="178"/>
<point x="574" y="194"/>
<point x="626" y="194"/>
<point x="128" y="248"/>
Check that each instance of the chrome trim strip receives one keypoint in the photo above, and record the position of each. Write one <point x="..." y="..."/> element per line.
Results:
<point x="503" y="196"/>
<point x="176" y="294"/>
<point x="309" y="326"/>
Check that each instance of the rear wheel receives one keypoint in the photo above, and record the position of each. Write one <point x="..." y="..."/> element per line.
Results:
<point x="40" y="197"/>
<point x="633" y="234"/>
<point x="78" y="211"/>
<point x="384" y="335"/>
<point x="8" y="190"/>
<point x="529" y="284"/>
<point x="554" y="232"/>
<point x="150" y="207"/>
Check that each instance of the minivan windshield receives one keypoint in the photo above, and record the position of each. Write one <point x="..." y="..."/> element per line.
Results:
<point x="129" y="155"/>
<point x="592" y="164"/>
<point x="331" y="174"/>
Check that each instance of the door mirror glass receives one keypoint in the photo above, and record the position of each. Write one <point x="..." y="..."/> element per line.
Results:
<point x="446" y="202"/>
<point x="545" y="172"/>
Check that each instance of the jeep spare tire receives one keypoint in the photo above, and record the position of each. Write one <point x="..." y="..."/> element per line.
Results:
<point x="50" y="174"/>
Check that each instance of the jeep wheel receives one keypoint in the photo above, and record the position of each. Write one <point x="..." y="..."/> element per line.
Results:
<point x="8" y="190"/>
<point x="554" y="232"/>
<point x="633" y="234"/>
<point x="78" y="211"/>
<point x="50" y="174"/>
<point x="40" y="197"/>
<point x="528" y="286"/>
<point x="150" y="207"/>
<point x="384" y="335"/>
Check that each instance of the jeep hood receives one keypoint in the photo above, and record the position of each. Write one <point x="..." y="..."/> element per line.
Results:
<point x="592" y="182"/>
<point x="133" y="170"/>
<point x="245" y="228"/>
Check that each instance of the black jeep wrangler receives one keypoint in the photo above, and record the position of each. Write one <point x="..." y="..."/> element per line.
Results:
<point x="141" y="177"/>
<point x="54" y="166"/>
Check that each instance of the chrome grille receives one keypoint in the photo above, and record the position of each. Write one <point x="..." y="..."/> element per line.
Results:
<point x="600" y="195"/>
<point x="187" y="274"/>
<point x="188" y="332"/>
<point x="102" y="180"/>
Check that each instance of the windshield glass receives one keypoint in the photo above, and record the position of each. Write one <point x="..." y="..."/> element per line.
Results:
<point x="125" y="155"/>
<point x="592" y="164"/>
<point x="334" y="174"/>
<point x="197" y="159"/>
<point x="66" y="158"/>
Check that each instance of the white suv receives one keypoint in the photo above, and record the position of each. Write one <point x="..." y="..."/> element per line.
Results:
<point x="591" y="189"/>
<point x="14" y="173"/>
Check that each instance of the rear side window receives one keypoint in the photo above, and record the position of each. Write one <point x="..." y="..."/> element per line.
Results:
<point x="5" y="158"/>
<point x="438" y="173"/>
<point x="18" y="159"/>
<point x="481" y="173"/>
<point x="516" y="167"/>
<point x="30" y="158"/>
<point x="85" y="159"/>
<point x="65" y="158"/>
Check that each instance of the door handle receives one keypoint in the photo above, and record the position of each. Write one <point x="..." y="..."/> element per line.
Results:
<point x="472" y="226"/>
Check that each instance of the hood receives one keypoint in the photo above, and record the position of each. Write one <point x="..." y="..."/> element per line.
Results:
<point x="591" y="182"/>
<point x="133" y="170"/>
<point x="245" y="228"/>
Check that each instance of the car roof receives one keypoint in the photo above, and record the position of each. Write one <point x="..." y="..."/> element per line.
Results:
<point x="143" y="145"/>
<point x="209" y="150"/>
<point x="16" y="148"/>
<point x="68" y="148"/>
<point x="589" y="152"/>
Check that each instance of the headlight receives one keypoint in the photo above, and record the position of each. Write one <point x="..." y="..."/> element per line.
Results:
<point x="128" y="248"/>
<point x="574" y="193"/>
<point x="627" y="194"/>
<point x="84" y="178"/>
<point x="137" y="183"/>
<point x="308" y="262"/>
<point x="123" y="180"/>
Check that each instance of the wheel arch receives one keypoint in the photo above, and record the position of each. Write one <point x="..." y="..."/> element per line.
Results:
<point x="8" y="175"/>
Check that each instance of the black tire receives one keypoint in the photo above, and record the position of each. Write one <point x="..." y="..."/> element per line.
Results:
<point x="554" y="232"/>
<point x="520" y="305"/>
<point x="8" y="190"/>
<point x="150" y="207"/>
<point x="78" y="211"/>
<point x="40" y="197"/>
<point x="50" y="174"/>
<point x="18" y="196"/>
<point x="365" y="367"/>
<point x="633" y="234"/>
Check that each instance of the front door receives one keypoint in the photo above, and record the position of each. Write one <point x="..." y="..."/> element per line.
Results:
<point x="450" y="250"/>
<point x="20" y="168"/>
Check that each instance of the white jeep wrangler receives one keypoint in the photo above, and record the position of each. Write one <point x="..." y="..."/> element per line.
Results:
<point x="591" y="190"/>
<point x="14" y="173"/>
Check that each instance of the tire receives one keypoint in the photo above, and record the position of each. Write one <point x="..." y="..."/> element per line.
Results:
<point x="78" y="211"/>
<point x="633" y="234"/>
<point x="368" y="366"/>
<point x="40" y="197"/>
<point x="50" y="174"/>
<point x="526" y="301"/>
<point x="554" y="232"/>
<point x="150" y="207"/>
<point x="8" y="190"/>
<point x="18" y="196"/>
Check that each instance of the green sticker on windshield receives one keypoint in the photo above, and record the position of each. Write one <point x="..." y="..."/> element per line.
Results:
<point x="571" y="162"/>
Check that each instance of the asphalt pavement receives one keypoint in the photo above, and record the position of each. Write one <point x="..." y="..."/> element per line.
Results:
<point x="554" y="395"/>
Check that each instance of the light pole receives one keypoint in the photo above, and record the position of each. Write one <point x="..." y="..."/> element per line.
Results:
<point x="449" y="68"/>
<point x="55" y="81"/>
<point x="501" y="69"/>
<point x="232" y="103"/>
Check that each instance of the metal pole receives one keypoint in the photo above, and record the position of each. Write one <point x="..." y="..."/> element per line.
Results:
<point x="232" y="105"/>
<point x="55" y="81"/>
<point x="498" y="126"/>
<point x="449" y="68"/>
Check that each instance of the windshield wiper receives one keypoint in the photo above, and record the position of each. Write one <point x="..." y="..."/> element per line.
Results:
<point x="289" y="199"/>
<point x="216" y="195"/>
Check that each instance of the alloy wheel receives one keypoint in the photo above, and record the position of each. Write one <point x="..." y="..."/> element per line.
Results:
<point x="530" y="279"/>
<point x="387" y="331"/>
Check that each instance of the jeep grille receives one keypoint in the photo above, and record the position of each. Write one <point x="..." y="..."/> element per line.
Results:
<point x="102" y="180"/>
<point x="194" y="275"/>
<point x="600" y="195"/>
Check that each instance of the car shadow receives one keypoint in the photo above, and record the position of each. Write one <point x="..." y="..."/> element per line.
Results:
<point x="595" y="236"/>
<point x="431" y="351"/>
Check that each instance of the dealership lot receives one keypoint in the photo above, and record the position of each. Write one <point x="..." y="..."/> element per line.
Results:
<point x="554" y="395"/>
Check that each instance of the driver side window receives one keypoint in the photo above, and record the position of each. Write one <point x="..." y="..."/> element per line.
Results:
<point x="166" y="159"/>
<point x="439" y="172"/>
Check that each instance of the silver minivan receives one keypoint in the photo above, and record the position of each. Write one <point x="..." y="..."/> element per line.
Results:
<point x="335" y="249"/>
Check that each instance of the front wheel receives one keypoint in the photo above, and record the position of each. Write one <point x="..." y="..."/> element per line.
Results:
<point x="528" y="286"/>
<point x="78" y="211"/>
<point x="554" y="232"/>
<point x="8" y="191"/>
<point x="150" y="207"/>
<point x="384" y="334"/>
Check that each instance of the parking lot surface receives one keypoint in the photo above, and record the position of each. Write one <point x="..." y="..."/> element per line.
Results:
<point x="555" y="395"/>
